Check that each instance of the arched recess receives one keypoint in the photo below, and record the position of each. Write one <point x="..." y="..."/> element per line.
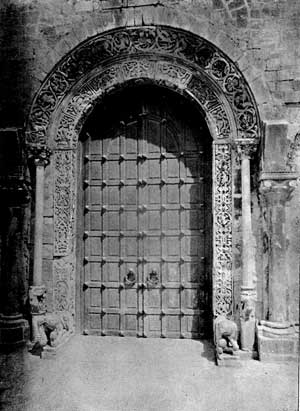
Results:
<point x="168" y="57"/>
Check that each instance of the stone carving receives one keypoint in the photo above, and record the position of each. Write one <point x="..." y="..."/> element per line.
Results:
<point x="222" y="230"/>
<point x="212" y="105"/>
<point x="292" y="153"/>
<point x="64" y="284"/>
<point x="169" y="56"/>
<point x="51" y="329"/>
<point x="86" y="96"/>
<point x="40" y="154"/>
<point x="275" y="191"/>
<point x="246" y="148"/>
<point x="64" y="201"/>
<point x="150" y="42"/>
<point x="225" y="335"/>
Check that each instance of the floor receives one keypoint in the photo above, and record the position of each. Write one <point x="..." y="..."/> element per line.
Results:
<point x="129" y="374"/>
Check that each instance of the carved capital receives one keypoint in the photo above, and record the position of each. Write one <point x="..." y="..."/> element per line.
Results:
<point x="245" y="148"/>
<point x="37" y="299"/>
<point x="276" y="192"/>
<point x="40" y="155"/>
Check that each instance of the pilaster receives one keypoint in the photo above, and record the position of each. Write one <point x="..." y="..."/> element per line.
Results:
<point x="277" y="338"/>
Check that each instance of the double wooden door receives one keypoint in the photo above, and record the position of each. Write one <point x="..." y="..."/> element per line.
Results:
<point x="147" y="220"/>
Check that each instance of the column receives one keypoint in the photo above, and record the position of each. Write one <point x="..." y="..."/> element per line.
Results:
<point x="277" y="338"/>
<point x="14" y="230"/>
<point x="37" y="292"/>
<point x="245" y="150"/>
<point x="275" y="195"/>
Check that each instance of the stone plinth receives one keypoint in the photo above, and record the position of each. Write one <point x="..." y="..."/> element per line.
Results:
<point x="277" y="341"/>
<point x="14" y="331"/>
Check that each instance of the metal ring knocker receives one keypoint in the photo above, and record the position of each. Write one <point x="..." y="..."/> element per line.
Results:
<point x="130" y="278"/>
<point x="152" y="279"/>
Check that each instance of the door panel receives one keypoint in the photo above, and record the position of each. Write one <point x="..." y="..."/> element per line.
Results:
<point x="147" y="217"/>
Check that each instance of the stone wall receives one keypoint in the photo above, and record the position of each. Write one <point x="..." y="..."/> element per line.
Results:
<point x="260" y="36"/>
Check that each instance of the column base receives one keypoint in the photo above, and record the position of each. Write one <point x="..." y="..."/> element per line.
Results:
<point x="277" y="342"/>
<point x="14" y="331"/>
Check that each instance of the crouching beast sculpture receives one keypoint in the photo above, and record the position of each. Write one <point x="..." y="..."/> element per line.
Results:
<point x="225" y="332"/>
<point x="51" y="328"/>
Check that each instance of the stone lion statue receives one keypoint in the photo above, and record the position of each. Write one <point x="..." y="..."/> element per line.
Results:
<point x="50" y="328"/>
<point x="225" y="332"/>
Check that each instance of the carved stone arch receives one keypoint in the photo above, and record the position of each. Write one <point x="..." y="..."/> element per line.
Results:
<point x="146" y="42"/>
<point x="166" y="56"/>
<point x="64" y="131"/>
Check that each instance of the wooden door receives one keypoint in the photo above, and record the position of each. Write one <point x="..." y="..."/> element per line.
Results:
<point x="147" y="218"/>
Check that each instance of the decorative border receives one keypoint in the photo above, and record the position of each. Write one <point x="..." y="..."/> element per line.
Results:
<point x="179" y="46"/>
<point x="64" y="201"/>
<point x="222" y="241"/>
<point x="162" y="72"/>
<point x="64" y="283"/>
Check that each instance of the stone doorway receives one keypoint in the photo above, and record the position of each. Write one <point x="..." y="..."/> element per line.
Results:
<point x="146" y="205"/>
<point x="171" y="58"/>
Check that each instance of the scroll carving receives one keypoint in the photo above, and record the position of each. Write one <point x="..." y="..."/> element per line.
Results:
<point x="64" y="201"/>
<point x="222" y="230"/>
<point x="64" y="284"/>
<point x="148" y="43"/>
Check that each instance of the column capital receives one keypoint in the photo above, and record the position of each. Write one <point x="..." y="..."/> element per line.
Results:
<point x="40" y="154"/>
<point x="245" y="147"/>
<point x="277" y="191"/>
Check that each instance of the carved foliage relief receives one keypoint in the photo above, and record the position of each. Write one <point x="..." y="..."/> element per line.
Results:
<point x="86" y="95"/>
<point x="64" y="201"/>
<point x="222" y="209"/>
<point x="64" y="283"/>
<point x="156" y="41"/>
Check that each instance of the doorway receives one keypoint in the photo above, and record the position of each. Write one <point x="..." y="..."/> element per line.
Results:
<point x="145" y="230"/>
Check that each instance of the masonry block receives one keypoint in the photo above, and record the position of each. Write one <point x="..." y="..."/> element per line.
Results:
<point x="275" y="146"/>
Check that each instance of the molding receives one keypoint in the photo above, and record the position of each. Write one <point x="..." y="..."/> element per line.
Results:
<point x="146" y="43"/>
<point x="222" y="231"/>
<point x="278" y="176"/>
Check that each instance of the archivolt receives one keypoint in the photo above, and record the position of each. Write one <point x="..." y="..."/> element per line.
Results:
<point x="160" y="53"/>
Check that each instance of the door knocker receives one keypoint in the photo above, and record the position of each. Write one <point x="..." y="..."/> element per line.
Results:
<point x="152" y="279"/>
<point x="130" y="278"/>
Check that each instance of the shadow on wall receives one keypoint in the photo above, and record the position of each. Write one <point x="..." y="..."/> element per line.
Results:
<point x="14" y="62"/>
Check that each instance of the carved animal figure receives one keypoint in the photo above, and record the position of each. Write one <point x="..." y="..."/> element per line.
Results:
<point x="225" y="332"/>
<point x="50" y="328"/>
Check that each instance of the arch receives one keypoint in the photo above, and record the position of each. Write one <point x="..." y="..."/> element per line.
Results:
<point x="187" y="59"/>
<point x="167" y="57"/>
